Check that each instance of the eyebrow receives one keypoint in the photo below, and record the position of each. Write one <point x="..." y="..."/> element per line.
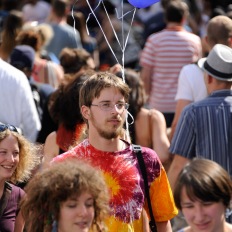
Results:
<point x="121" y="101"/>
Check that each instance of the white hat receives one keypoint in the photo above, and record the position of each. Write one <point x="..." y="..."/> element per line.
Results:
<point x="218" y="64"/>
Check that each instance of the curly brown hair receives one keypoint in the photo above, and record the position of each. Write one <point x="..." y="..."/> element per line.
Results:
<point x="29" y="156"/>
<point x="49" y="188"/>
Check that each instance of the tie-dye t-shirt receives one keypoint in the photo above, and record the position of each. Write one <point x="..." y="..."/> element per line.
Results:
<point x="125" y="182"/>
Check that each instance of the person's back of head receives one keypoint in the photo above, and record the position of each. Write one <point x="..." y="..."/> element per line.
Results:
<point x="60" y="8"/>
<point x="29" y="37"/>
<point x="12" y="25"/>
<point x="13" y="21"/>
<point x="22" y="57"/>
<point x="219" y="30"/>
<point x="63" y="100"/>
<point x="176" y="12"/>
<point x="74" y="59"/>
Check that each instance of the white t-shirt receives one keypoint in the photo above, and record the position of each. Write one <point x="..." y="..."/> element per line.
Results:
<point x="17" y="106"/>
<point x="191" y="85"/>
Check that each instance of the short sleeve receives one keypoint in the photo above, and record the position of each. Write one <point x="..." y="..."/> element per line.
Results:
<point x="184" y="90"/>
<point x="184" y="139"/>
<point x="162" y="200"/>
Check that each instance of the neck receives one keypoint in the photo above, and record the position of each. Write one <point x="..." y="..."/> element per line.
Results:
<point x="58" y="20"/>
<point x="109" y="145"/>
<point x="174" y="25"/>
<point x="226" y="86"/>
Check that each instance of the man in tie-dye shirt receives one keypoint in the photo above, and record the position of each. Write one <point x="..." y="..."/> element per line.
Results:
<point x="103" y="103"/>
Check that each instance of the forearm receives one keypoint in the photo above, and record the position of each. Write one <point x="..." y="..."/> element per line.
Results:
<point x="164" y="226"/>
<point x="19" y="223"/>
<point x="181" y="103"/>
<point x="176" y="166"/>
<point x="146" y="78"/>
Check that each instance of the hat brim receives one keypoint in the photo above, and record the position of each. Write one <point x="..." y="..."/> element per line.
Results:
<point x="201" y="63"/>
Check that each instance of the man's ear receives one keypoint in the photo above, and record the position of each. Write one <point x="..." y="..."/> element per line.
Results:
<point x="210" y="79"/>
<point x="85" y="111"/>
<point x="230" y="42"/>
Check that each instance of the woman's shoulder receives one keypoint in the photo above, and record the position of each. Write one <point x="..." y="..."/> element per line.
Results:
<point x="143" y="113"/>
<point x="16" y="192"/>
<point x="156" y="114"/>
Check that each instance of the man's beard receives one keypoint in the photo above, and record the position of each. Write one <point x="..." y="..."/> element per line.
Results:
<point x="110" y="135"/>
<point x="104" y="133"/>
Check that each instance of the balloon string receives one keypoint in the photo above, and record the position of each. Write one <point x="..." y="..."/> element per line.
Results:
<point x="92" y="12"/>
<point x="115" y="34"/>
<point x="127" y="123"/>
<point x="74" y="21"/>
<point x="122" y="47"/>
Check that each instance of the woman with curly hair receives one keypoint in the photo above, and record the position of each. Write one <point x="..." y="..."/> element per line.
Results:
<point x="18" y="158"/>
<point x="70" y="196"/>
<point x="65" y="112"/>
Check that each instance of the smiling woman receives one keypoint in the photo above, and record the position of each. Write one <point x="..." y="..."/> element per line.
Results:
<point x="18" y="157"/>
<point x="70" y="196"/>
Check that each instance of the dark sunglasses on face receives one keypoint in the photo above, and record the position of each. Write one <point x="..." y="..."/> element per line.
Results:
<point x="4" y="127"/>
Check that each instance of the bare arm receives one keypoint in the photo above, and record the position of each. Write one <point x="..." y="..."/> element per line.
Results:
<point x="160" y="139"/>
<point x="179" y="108"/>
<point x="176" y="166"/>
<point x="164" y="226"/>
<point x="145" y="75"/>
<point x="51" y="150"/>
<point x="19" y="223"/>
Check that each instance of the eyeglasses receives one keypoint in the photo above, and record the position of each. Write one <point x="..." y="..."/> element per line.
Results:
<point x="107" y="106"/>
<point x="4" y="127"/>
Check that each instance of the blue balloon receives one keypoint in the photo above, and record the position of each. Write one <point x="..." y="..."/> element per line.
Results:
<point x="142" y="3"/>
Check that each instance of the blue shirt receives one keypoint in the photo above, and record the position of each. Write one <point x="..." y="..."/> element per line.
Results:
<point x="205" y="130"/>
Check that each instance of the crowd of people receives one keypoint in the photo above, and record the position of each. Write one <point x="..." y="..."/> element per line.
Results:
<point x="78" y="91"/>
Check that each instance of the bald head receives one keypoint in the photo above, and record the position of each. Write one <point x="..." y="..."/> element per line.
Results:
<point x="219" y="30"/>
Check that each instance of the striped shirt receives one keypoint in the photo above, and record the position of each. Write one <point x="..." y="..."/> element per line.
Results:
<point x="205" y="130"/>
<point x="166" y="53"/>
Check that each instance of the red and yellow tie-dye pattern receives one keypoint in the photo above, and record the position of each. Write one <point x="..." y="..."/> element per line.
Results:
<point x="123" y="177"/>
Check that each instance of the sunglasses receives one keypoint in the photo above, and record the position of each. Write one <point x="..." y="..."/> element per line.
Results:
<point x="4" y="127"/>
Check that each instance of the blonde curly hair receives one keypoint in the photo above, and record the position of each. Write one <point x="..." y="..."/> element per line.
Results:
<point x="28" y="157"/>
<point x="53" y="186"/>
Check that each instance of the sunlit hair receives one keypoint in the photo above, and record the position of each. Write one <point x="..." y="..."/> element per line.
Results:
<point x="219" y="30"/>
<point x="60" y="7"/>
<point x="53" y="186"/>
<point x="64" y="99"/>
<point x="29" y="157"/>
<point x="29" y="37"/>
<point x="74" y="59"/>
<point x="176" y="11"/>
<point x="204" y="180"/>
<point x="93" y="86"/>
